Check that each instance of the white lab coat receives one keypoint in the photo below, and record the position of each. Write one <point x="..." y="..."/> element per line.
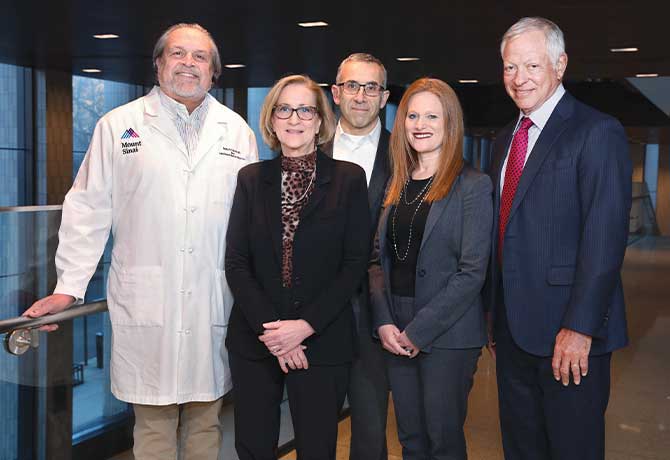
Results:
<point x="167" y="293"/>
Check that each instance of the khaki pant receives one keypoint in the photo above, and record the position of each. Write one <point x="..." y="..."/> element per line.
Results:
<point x="192" y="429"/>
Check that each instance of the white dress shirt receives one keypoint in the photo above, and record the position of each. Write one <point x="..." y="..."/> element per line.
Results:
<point x="357" y="149"/>
<point x="539" y="118"/>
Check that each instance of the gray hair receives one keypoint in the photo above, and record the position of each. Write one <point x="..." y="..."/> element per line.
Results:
<point x="552" y="34"/>
<point x="162" y="40"/>
<point x="361" y="57"/>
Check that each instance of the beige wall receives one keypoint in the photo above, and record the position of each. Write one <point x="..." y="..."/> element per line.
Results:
<point x="663" y="190"/>
<point x="637" y="157"/>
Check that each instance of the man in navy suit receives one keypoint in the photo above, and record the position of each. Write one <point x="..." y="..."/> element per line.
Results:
<point x="562" y="174"/>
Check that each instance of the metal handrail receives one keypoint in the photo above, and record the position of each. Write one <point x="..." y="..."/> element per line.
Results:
<point x="50" y="207"/>
<point x="23" y="322"/>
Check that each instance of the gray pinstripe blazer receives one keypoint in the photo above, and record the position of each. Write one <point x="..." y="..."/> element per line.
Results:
<point x="450" y="270"/>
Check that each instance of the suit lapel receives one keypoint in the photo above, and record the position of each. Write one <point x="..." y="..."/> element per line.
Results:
<point x="272" y="203"/>
<point x="384" y="259"/>
<point x="380" y="173"/>
<point x="436" y="210"/>
<point x="550" y="133"/>
<point x="323" y="173"/>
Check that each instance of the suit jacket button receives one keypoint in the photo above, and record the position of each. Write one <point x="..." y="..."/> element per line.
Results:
<point x="297" y="304"/>
<point x="422" y="273"/>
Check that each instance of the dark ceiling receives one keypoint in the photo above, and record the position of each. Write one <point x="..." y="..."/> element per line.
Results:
<point x="455" y="40"/>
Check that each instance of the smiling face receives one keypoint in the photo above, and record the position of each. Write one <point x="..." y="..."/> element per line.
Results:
<point x="529" y="75"/>
<point x="296" y="136"/>
<point x="359" y="112"/>
<point x="184" y="68"/>
<point x="424" y="123"/>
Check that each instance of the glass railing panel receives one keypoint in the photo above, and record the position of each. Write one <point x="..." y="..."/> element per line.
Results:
<point x="45" y="388"/>
<point x="27" y="241"/>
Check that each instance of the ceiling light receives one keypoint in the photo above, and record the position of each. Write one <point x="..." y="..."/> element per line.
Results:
<point x="105" y="36"/>
<point x="624" y="50"/>
<point x="323" y="84"/>
<point x="646" y="75"/>
<point x="407" y="59"/>
<point x="234" y="66"/>
<point x="313" y="24"/>
<point x="91" y="70"/>
<point x="468" y="81"/>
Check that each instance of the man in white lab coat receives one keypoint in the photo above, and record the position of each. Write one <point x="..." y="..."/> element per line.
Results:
<point x="160" y="172"/>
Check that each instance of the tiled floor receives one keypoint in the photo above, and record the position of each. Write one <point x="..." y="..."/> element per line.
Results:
<point x="638" y="418"/>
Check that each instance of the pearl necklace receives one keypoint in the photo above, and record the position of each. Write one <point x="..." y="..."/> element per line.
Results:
<point x="422" y="194"/>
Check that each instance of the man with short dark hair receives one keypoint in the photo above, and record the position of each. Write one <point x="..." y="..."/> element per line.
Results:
<point x="160" y="173"/>
<point x="563" y="194"/>
<point x="360" y="92"/>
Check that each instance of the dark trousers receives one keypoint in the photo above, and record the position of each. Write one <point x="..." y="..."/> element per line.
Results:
<point x="540" y="419"/>
<point x="368" y="394"/>
<point x="315" y="396"/>
<point x="430" y="396"/>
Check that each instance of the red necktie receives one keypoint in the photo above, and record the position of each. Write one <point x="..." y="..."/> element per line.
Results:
<point x="515" y="161"/>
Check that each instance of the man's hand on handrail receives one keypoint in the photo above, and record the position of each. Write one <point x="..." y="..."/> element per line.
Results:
<point x="54" y="303"/>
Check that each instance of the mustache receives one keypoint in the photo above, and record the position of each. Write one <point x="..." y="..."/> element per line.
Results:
<point x="182" y="68"/>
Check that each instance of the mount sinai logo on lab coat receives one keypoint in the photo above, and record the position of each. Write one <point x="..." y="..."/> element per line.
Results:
<point x="130" y="142"/>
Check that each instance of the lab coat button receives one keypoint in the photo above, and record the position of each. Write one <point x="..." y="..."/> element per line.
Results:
<point x="181" y="291"/>
<point x="192" y="208"/>
<point x="190" y="250"/>
<point x="181" y="249"/>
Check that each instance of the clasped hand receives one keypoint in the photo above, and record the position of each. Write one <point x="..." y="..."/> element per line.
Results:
<point x="396" y="342"/>
<point x="284" y="340"/>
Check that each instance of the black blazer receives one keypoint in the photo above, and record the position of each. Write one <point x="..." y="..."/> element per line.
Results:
<point x="330" y="254"/>
<point x="381" y="171"/>
<point x="567" y="232"/>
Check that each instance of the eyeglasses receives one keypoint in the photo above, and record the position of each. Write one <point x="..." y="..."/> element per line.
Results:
<point x="371" y="89"/>
<point x="304" y="112"/>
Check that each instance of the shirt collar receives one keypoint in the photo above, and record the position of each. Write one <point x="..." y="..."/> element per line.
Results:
<point x="356" y="141"/>
<point x="540" y="116"/>
<point x="178" y="110"/>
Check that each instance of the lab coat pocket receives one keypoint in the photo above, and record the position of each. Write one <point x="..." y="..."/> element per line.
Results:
<point x="136" y="296"/>
<point x="223" y="300"/>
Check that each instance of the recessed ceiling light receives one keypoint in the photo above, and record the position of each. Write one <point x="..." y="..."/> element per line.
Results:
<point x="105" y="36"/>
<point x="234" y="66"/>
<point x="407" y="59"/>
<point x="313" y="24"/>
<point x="323" y="84"/>
<point x="624" y="50"/>
<point x="646" y="75"/>
<point x="91" y="70"/>
<point x="468" y="81"/>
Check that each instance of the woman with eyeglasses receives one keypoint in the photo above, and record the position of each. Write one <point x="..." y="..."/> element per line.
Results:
<point x="429" y="265"/>
<point x="297" y="248"/>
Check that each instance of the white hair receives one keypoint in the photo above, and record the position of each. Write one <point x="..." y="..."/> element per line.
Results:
<point x="552" y="34"/>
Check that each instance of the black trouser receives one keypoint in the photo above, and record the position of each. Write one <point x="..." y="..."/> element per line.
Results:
<point x="315" y="398"/>
<point x="368" y="394"/>
<point x="430" y="396"/>
<point x="541" y="419"/>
